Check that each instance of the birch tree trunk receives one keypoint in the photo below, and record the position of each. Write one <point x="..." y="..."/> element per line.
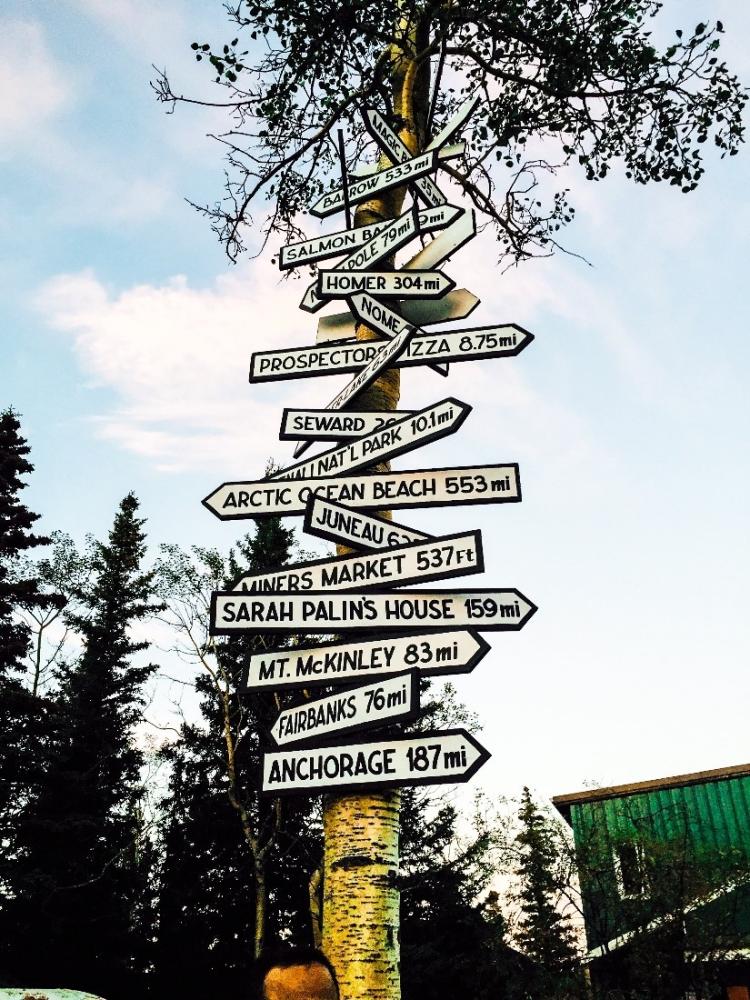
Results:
<point x="361" y="856"/>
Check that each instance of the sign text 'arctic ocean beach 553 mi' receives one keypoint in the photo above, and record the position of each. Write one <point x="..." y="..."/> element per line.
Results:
<point x="383" y="638"/>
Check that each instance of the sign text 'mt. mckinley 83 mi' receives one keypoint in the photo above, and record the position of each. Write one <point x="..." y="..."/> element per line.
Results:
<point x="397" y="636"/>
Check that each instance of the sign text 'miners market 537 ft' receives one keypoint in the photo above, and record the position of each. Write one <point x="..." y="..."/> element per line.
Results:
<point x="377" y="610"/>
<point x="470" y="484"/>
<point x="429" y="653"/>
<point x="449" y="756"/>
<point x="455" y="345"/>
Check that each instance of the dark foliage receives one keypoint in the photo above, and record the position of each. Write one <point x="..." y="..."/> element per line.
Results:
<point x="80" y="912"/>
<point x="562" y="82"/>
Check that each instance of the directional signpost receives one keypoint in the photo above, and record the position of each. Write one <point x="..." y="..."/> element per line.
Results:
<point x="322" y="425"/>
<point x="468" y="484"/>
<point x="430" y="654"/>
<point x="457" y="304"/>
<point x="335" y="359"/>
<point x="405" y="172"/>
<point x="375" y="610"/>
<point x="452" y="755"/>
<point x="384" y="284"/>
<point x="340" y="524"/>
<point x="416" y="562"/>
<point x="372" y="706"/>
<point x="413" y="431"/>
<point x="355" y="735"/>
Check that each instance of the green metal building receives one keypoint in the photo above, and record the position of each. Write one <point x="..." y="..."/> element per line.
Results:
<point x="664" y="871"/>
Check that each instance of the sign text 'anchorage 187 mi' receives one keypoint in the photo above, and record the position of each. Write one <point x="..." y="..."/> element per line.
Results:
<point x="395" y="699"/>
<point x="470" y="484"/>
<point x="376" y="610"/>
<point x="452" y="755"/>
<point x="429" y="653"/>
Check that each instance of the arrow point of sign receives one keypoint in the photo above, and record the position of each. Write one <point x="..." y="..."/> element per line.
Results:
<point x="483" y="755"/>
<point x="208" y="502"/>
<point x="482" y="649"/>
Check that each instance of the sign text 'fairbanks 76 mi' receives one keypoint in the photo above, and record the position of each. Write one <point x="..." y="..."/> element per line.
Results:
<point x="417" y="562"/>
<point x="334" y="359"/>
<point x="470" y="484"/>
<point x="449" y="756"/>
<point x="430" y="653"/>
<point x="385" y="610"/>
<point x="337" y="523"/>
<point x="413" y="431"/>
<point x="395" y="699"/>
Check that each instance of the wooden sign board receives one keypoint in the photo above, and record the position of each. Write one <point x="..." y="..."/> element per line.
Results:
<point x="416" y="562"/>
<point x="404" y="435"/>
<point x="430" y="654"/>
<point x="371" y="706"/>
<point x="384" y="284"/>
<point x="470" y="484"/>
<point x="457" y="304"/>
<point x="449" y="756"/>
<point x="476" y="344"/>
<point x="340" y="524"/>
<point x="347" y="240"/>
<point x="323" y="425"/>
<point x="492" y="610"/>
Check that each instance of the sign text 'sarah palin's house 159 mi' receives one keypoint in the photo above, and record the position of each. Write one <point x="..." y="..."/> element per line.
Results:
<point x="664" y="868"/>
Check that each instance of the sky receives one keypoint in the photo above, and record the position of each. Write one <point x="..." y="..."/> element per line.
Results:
<point x="126" y="337"/>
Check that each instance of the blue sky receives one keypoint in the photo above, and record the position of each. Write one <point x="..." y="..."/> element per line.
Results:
<point x="126" y="339"/>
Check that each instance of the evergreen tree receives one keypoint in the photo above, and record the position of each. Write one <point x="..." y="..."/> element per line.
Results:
<point x="544" y="934"/>
<point x="224" y="849"/>
<point x="23" y="719"/>
<point x="80" y="887"/>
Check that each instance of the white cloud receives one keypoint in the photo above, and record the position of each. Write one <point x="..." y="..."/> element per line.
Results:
<point x="35" y="87"/>
<point x="177" y="359"/>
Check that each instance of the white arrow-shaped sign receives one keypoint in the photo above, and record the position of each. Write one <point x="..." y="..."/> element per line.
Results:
<point x="403" y="435"/>
<point x="322" y="425"/>
<point x="405" y="172"/>
<point x="435" y="758"/>
<point x="399" y="152"/>
<point x="425" y="348"/>
<point x="347" y="240"/>
<point x="457" y="304"/>
<point x="340" y="524"/>
<point x="456" y="121"/>
<point x="390" y="610"/>
<point x="395" y="699"/>
<point x="378" y="316"/>
<point x="431" y="654"/>
<point x="417" y="562"/>
<point x="446" y="244"/>
<point x="384" y="284"/>
<point x="472" y="484"/>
